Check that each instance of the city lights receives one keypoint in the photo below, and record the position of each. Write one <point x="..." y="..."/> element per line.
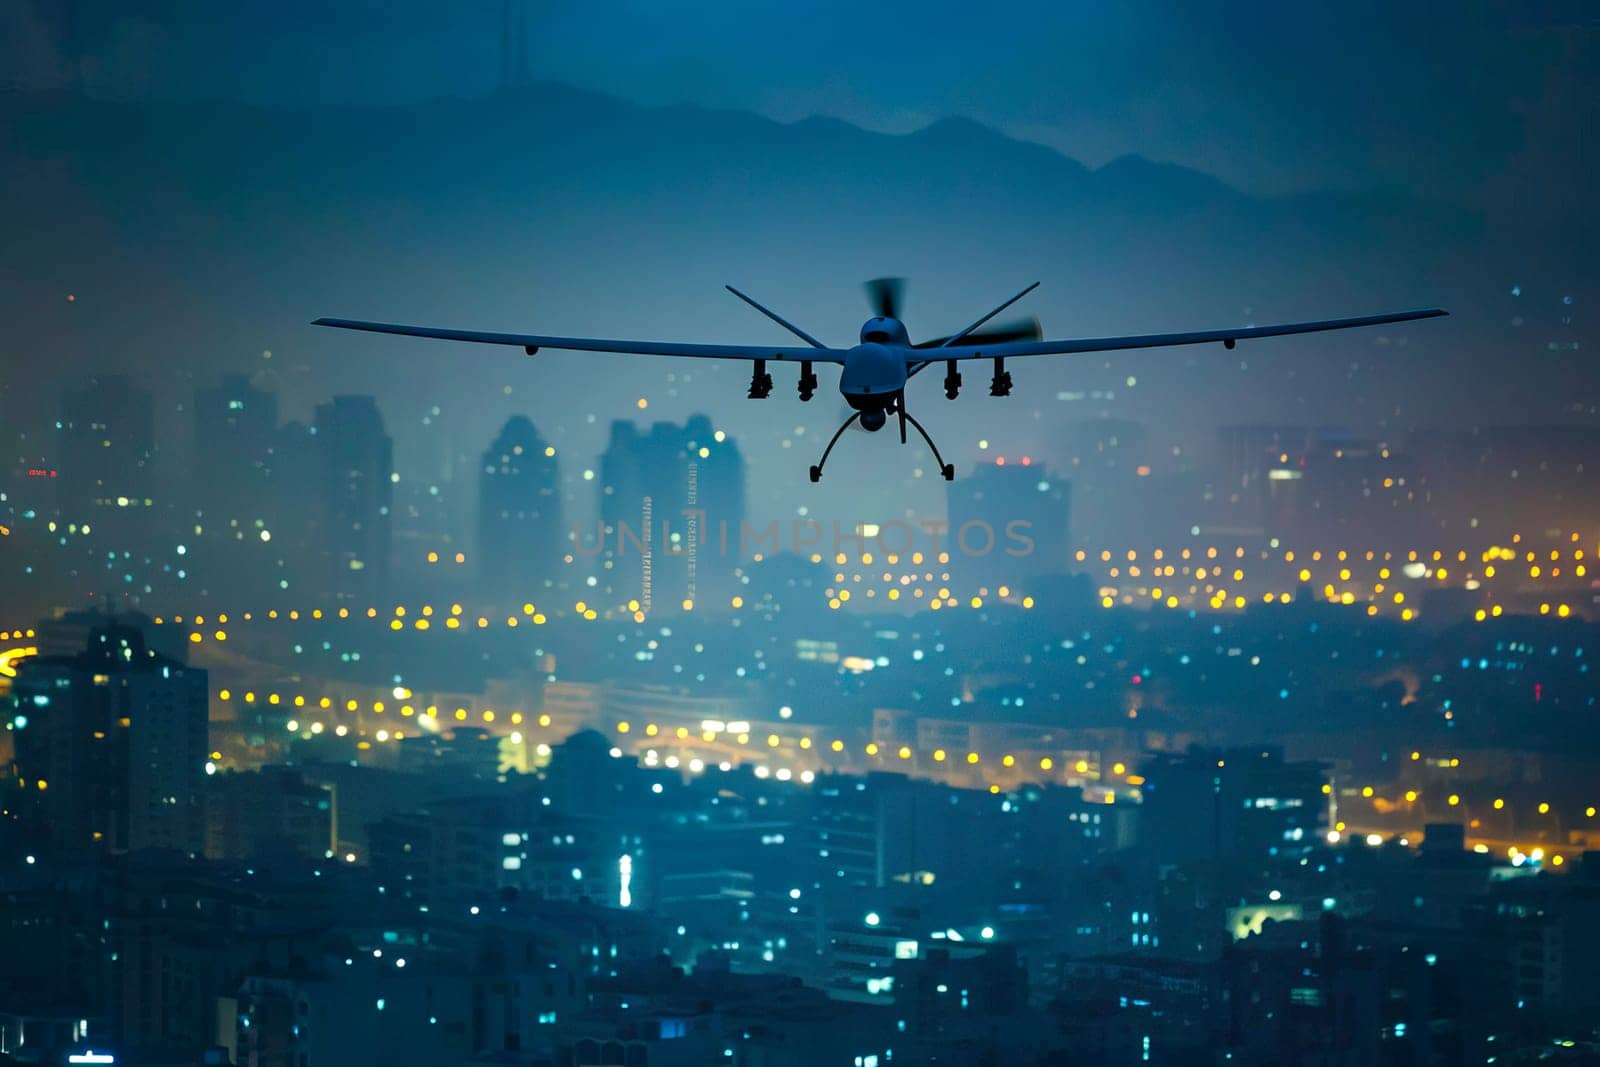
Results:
<point x="1221" y="696"/>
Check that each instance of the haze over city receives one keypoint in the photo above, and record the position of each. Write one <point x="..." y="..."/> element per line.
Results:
<point x="370" y="698"/>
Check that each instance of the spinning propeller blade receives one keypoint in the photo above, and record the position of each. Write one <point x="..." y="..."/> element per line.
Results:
<point x="886" y="295"/>
<point x="1018" y="330"/>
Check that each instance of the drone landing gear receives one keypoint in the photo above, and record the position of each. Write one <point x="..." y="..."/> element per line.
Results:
<point x="816" y="468"/>
<point x="947" y="471"/>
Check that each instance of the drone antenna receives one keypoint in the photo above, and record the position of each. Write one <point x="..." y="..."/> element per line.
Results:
<point x="957" y="337"/>
<point x="779" y="319"/>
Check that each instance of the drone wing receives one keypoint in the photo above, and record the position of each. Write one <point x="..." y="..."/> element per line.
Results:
<point x="531" y="343"/>
<point x="1165" y="340"/>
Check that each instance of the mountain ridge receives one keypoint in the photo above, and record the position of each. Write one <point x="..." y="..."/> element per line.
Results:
<point x="943" y="133"/>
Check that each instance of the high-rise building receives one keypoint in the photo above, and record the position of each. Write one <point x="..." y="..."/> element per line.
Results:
<point x="112" y="743"/>
<point x="430" y="523"/>
<point x="1307" y="483"/>
<point x="356" y="492"/>
<point x="294" y="469"/>
<point x="1110" y="462"/>
<point x="1259" y="467"/>
<point x="1226" y="804"/>
<point x="520" y="537"/>
<point x="672" y="505"/>
<point x="234" y="426"/>
<point x="107" y="444"/>
<point x="270" y="813"/>
<point x="1008" y="523"/>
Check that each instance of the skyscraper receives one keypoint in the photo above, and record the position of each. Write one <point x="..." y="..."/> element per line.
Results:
<point x="112" y="743"/>
<point x="672" y="503"/>
<point x="356" y="493"/>
<point x="1008" y="522"/>
<point x="107" y="444"/>
<point x="1258" y="468"/>
<point x="520" y="537"/>
<point x="1228" y="804"/>
<point x="234" y="424"/>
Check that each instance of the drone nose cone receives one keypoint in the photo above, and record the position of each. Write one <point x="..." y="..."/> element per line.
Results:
<point x="872" y="371"/>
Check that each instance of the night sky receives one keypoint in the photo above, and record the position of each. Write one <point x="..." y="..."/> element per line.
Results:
<point x="1445" y="100"/>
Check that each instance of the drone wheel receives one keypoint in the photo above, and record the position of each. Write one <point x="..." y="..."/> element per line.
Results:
<point x="949" y="472"/>
<point x="816" y="473"/>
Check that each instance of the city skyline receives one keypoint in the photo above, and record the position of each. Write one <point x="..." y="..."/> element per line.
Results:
<point x="374" y="699"/>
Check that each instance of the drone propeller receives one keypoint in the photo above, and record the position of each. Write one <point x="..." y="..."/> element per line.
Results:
<point x="886" y="295"/>
<point x="1018" y="330"/>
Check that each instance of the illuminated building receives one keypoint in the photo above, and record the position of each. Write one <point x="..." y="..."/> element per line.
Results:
<point x="520" y="536"/>
<point x="431" y="524"/>
<point x="1163" y="1006"/>
<point x="969" y="996"/>
<point x="320" y="1011"/>
<point x="1231" y="804"/>
<point x="672" y="502"/>
<point x="1309" y="483"/>
<point x="1257" y="466"/>
<point x="273" y="812"/>
<point x="355" y="490"/>
<point x="861" y="960"/>
<point x="115" y="744"/>
<point x="476" y="848"/>
<point x="107" y="444"/>
<point x="1009" y="522"/>
<point x="843" y="830"/>
<point x="234" y="427"/>
<point x="1109" y="462"/>
<point x="68" y="634"/>
<point x="296" y="468"/>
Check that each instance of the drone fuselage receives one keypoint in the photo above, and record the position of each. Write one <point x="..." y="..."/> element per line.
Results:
<point x="874" y="372"/>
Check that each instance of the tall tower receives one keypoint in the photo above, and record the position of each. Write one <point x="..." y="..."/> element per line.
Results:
<point x="357" y="492"/>
<point x="107" y="430"/>
<point x="234" y="425"/>
<point x="1008" y="523"/>
<point x="520" y="538"/>
<point x="684" y="485"/>
<point x="112" y="739"/>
